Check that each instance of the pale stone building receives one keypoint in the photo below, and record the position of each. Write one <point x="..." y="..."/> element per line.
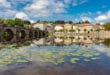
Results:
<point x="58" y="27"/>
<point x="41" y="26"/>
<point x="85" y="28"/>
<point x="75" y="28"/>
<point x="67" y="27"/>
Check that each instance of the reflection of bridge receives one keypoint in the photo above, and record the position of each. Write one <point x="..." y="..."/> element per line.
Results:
<point x="9" y="34"/>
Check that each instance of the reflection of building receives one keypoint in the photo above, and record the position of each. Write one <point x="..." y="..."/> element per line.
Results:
<point x="78" y="28"/>
<point x="39" y="42"/>
<point x="67" y="41"/>
<point x="58" y="40"/>
<point x="80" y="40"/>
<point x="98" y="27"/>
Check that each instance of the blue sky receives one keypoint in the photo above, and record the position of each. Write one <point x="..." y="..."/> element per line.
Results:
<point x="74" y="10"/>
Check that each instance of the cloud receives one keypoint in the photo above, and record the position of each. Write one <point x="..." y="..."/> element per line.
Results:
<point x="102" y="49"/>
<point x="78" y="2"/>
<point x="5" y="4"/>
<point x="23" y="16"/>
<point x="7" y="13"/>
<point x="103" y="17"/>
<point x="45" y="8"/>
<point x="86" y="19"/>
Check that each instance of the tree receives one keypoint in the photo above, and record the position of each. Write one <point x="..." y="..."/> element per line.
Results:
<point x="1" y="20"/>
<point x="78" y="22"/>
<point x="18" y="22"/>
<point x="70" y="22"/>
<point x="45" y="22"/>
<point x="106" y="42"/>
<point x="59" y="22"/>
<point x="9" y="22"/>
<point x="86" y="21"/>
<point x="38" y="21"/>
<point x="27" y="22"/>
<point x="107" y="26"/>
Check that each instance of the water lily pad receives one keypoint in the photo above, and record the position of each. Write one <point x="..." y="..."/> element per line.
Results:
<point x="87" y="60"/>
<point x="73" y="60"/>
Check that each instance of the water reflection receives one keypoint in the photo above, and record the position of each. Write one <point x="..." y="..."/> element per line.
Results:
<point x="56" y="56"/>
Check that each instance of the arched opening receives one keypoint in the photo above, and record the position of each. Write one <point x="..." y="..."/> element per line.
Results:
<point x="30" y="34"/>
<point x="36" y="33"/>
<point x="8" y="35"/>
<point x="22" y="34"/>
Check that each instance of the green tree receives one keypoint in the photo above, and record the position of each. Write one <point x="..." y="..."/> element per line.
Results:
<point x="59" y="22"/>
<point x="18" y="22"/>
<point x="9" y="22"/>
<point x="27" y="22"/>
<point x="86" y="21"/>
<point x="38" y="21"/>
<point x="45" y="22"/>
<point x="1" y="20"/>
<point x="70" y="22"/>
<point x="107" y="26"/>
<point x="106" y="42"/>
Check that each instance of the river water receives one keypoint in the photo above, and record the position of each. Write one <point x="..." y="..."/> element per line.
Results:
<point x="56" y="56"/>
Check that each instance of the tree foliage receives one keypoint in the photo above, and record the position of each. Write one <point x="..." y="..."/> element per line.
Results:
<point x="59" y="22"/>
<point x="107" y="26"/>
<point x="16" y="22"/>
<point x="1" y="20"/>
<point x="9" y="22"/>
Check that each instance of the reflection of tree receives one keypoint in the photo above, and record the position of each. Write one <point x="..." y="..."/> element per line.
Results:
<point x="16" y="45"/>
<point x="106" y="42"/>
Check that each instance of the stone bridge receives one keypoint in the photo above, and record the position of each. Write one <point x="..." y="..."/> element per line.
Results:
<point x="9" y="34"/>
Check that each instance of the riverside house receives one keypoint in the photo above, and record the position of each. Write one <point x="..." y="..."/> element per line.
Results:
<point x="78" y="28"/>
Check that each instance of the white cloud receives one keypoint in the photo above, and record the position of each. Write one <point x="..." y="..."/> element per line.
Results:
<point x="103" y="17"/>
<point x="5" y="3"/>
<point x="86" y="19"/>
<point x="24" y="16"/>
<point x="108" y="14"/>
<point x="78" y="2"/>
<point x="44" y="8"/>
<point x="8" y="13"/>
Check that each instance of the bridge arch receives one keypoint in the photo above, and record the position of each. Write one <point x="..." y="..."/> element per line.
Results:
<point x="7" y="35"/>
<point x="31" y="34"/>
<point x="22" y="34"/>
